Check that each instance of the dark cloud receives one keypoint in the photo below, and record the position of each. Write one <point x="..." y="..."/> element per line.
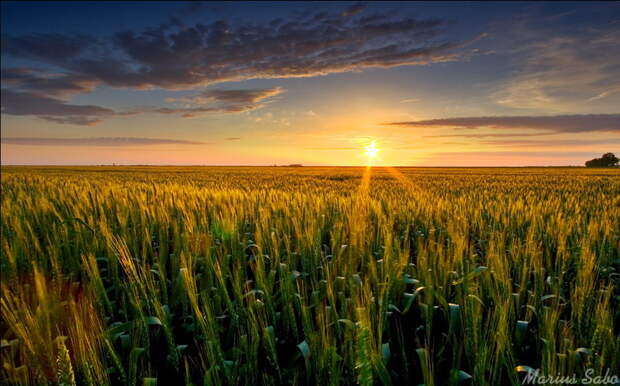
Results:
<point x="233" y="138"/>
<point x="74" y="120"/>
<point x="26" y="79"/>
<point x="177" y="56"/>
<point x="354" y="9"/>
<point x="95" y="141"/>
<point x="218" y="100"/>
<point x="52" y="109"/>
<point x="172" y="56"/>
<point x="59" y="111"/>
<point x="556" y="124"/>
<point x="245" y="96"/>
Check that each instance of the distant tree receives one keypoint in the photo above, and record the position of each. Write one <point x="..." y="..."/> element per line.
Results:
<point x="607" y="160"/>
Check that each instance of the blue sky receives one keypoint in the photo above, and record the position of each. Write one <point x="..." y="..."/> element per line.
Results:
<point x="313" y="83"/>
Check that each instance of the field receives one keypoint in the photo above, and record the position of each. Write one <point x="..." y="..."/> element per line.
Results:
<point x="198" y="275"/>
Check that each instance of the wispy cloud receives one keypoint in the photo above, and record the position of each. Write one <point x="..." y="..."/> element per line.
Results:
<point x="218" y="100"/>
<point x="557" y="69"/>
<point x="486" y="135"/>
<point x="552" y="143"/>
<point x="555" y="124"/>
<point x="232" y="138"/>
<point x="95" y="141"/>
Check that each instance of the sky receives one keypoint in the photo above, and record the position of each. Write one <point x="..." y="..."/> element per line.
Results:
<point x="259" y="83"/>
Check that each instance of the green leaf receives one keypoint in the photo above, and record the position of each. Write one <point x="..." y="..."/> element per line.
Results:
<point x="392" y="307"/>
<point x="305" y="349"/>
<point x="463" y="376"/>
<point x="581" y="353"/>
<point x="524" y="369"/>
<point x="476" y="298"/>
<point x="270" y="331"/>
<point x="455" y="316"/>
<point x="153" y="321"/>
<point x="409" y="280"/>
<point x="521" y="331"/>
<point x="385" y="351"/>
<point x="409" y="298"/>
<point x="149" y="381"/>
<point x="470" y="275"/>
<point x="421" y="354"/>
<point x="459" y="376"/>
<point x="347" y="323"/>
<point x="134" y="356"/>
<point x="547" y="297"/>
<point x="120" y="328"/>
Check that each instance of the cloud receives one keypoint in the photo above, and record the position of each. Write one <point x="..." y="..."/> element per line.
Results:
<point x="555" y="124"/>
<point x="219" y="100"/>
<point x="175" y="57"/>
<point x="354" y="9"/>
<point x="553" y="143"/>
<point x="95" y="141"/>
<point x="246" y="96"/>
<point x="559" y="71"/>
<point x="51" y="109"/>
<point x="485" y="135"/>
<point x="38" y="82"/>
<point x="74" y="120"/>
<point x="57" y="110"/>
<point x="232" y="138"/>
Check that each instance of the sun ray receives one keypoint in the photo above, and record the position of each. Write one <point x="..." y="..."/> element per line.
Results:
<point x="359" y="217"/>
<point x="365" y="181"/>
<point x="400" y="177"/>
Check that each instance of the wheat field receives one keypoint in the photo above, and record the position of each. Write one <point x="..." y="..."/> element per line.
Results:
<point x="250" y="275"/>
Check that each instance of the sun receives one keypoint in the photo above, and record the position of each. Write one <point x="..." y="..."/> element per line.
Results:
<point x="371" y="150"/>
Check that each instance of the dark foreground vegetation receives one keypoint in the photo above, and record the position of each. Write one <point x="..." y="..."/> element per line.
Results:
<point x="606" y="161"/>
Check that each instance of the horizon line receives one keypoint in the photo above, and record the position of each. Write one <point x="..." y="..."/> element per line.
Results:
<point x="297" y="167"/>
